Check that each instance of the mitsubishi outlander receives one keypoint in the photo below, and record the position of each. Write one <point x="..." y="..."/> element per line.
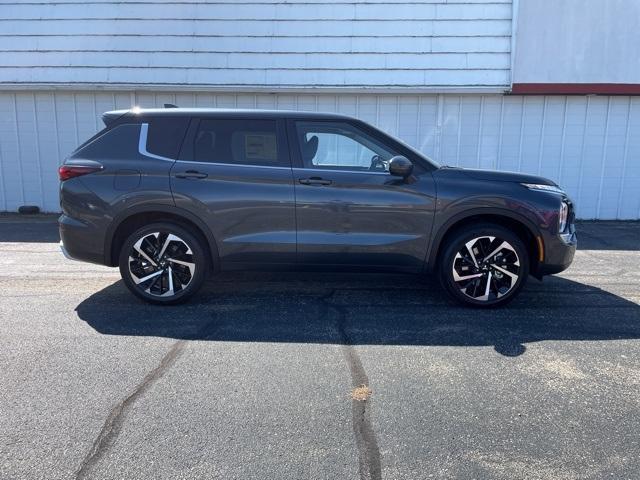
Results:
<point x="171" y="195"/>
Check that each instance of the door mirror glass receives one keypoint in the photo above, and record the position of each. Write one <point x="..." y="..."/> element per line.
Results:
<point x="400" y="166"/>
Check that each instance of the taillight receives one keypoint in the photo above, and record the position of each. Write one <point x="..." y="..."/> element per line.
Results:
<point x="65" y="172"/>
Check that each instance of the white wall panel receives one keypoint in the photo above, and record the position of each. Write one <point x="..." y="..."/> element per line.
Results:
<point x="577" y="41"/>
<point x="590" y="145"/>
<point x="256" y="11"/>
<point x="151" y="43"/>
<point x="272" y="44"/>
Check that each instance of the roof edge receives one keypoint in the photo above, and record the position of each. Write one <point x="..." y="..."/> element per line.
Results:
<point x="263" y="89"/>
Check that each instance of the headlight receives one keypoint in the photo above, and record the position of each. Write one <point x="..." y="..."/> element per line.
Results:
<point x="543" y="188"/>
<point x="562" y="217"/>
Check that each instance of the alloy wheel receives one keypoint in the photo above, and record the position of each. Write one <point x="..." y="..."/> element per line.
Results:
<point x="161" y="264"/>
<point x="486" y="268"/>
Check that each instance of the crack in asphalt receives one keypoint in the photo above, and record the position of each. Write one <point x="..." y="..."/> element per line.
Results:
<point x="113" y="424"/>
<point x="369" y="463"/>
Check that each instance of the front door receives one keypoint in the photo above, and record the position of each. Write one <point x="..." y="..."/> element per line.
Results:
<point x="349" y="209"/>
<point x="235" y="173"/>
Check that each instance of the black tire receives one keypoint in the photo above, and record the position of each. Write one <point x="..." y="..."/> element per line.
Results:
<point x="493" y="283"/>
<point x="182" y="268"/>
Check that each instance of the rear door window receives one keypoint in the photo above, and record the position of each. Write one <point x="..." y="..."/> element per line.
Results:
<point x="241" y="142"/>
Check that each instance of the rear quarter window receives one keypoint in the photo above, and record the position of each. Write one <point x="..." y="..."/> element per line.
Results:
<point x="120" y="142"/>
<point x="165" y="135"/>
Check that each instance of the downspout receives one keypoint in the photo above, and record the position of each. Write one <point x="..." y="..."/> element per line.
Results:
<point x="515" y="7"/>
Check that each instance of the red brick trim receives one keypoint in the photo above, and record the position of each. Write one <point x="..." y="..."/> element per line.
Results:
<point x="575" y="89"/>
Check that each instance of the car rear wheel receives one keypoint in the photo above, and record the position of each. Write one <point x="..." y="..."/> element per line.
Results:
<point x="484" y="266"/>
<point x="163" y="263"/>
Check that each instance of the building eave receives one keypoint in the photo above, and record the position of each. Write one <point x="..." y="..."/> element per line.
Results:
<point x="329" y="89"/>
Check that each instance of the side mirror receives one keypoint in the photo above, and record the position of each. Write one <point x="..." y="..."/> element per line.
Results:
<point x="400" y="166"/>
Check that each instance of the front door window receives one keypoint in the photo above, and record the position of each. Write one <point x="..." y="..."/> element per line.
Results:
<point x="341" y="146"/>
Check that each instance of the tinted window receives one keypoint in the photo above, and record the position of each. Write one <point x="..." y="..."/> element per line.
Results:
<point x="93" y="138"/>
<point x="341" y="145"/>
<point x="120" y="142"/>
<point x="245" y="142"/>
<point x="165" y="135"/>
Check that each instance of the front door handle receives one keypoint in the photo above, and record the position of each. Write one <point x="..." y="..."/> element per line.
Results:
<point x="314" y="181"/>
<point x="191" y="174"/>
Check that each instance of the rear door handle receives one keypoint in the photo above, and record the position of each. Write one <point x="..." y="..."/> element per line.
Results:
<point x="191" y="174"/>
<point x="314" y="181"/>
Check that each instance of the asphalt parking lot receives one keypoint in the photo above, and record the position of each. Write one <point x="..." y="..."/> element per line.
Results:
<point x="254" y="378"/>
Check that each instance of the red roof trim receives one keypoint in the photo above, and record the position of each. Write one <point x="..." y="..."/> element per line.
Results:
<point x="576" y="89"/>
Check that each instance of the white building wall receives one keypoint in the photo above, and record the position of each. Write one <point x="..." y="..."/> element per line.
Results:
<point x="258" y="44"/>
<point x="577" y="41"/>
<point x="590" y="145"/>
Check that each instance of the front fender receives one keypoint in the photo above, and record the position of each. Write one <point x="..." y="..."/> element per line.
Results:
<point x="467" y="210"/>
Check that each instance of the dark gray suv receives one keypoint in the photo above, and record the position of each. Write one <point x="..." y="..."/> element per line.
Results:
<point x="171" y="195"/>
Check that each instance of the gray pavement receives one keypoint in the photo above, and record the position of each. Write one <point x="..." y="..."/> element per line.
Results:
<point x="253" y="378"/>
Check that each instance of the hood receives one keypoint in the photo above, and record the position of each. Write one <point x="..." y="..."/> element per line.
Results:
<point x="497" y="176"/>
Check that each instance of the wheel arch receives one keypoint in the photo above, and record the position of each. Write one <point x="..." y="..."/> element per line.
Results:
<point x="520" y="225"/>
<point x="134" y="218"/>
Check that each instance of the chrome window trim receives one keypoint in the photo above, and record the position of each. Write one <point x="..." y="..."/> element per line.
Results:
<point x="340" y="171"/>
<point x="142" y="144"/>
<point x="142" y="149"/>
<point x="246" y="165"/>
<point x="218" y="164"/>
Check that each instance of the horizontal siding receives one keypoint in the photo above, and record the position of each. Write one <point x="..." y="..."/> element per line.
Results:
<point x="272" y="44"/>
<point x="276" y="78"/>
<point x="255" y="61"/>
<point x="238" y="44"/>
<point x="264" y="12"/>
<point x="258" y="28"/>
<point x="589" y="145"/>
<point x="330" y="3"/>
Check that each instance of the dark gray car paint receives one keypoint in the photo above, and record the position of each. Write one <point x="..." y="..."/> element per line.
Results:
<point x="461" y="196"/>
<point x="364" y="218"/>
<point x="249" y="209"/>
<point x="91" y="203"/>
<point x="254" y="216"/>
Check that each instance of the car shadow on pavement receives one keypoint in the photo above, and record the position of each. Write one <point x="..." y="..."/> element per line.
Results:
<point x="29" y="228"/>
<point x="608" y="235"/>
<point x="365" y="310"/>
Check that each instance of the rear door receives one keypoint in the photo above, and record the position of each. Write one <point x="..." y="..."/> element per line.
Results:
<point x="235" y="174"/>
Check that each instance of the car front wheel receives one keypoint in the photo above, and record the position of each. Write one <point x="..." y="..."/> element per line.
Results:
<point x="163" y="263"/>
<point x="484" y="265"/>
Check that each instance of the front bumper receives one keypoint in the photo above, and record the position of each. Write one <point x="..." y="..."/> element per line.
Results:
<point x="559" y="252"/>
